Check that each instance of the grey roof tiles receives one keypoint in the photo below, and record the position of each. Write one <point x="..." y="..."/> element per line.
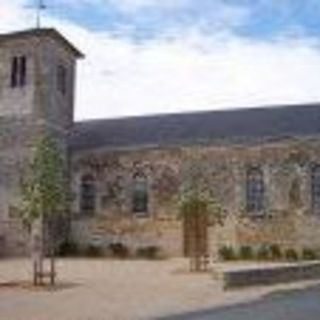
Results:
<point x="198" y="127"/>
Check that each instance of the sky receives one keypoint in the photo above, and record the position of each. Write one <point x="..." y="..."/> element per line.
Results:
<point x="164" y="56"/>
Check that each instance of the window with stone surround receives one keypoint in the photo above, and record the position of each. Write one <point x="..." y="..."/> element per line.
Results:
<point x="18" y="71"/>
<point x="315" y="189"/>
<point x="87" y="195"/>
<point x="62" y="79"/>
<point x="140" y="195"/>
<point x="255" y="190"/>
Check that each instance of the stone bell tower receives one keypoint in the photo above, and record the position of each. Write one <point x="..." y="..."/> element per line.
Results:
<point x="37" y="80"/>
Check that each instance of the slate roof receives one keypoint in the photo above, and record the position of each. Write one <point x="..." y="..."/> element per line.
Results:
<point x="196" y="128"/>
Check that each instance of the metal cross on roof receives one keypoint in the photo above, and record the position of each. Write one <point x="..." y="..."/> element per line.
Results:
<point x="40" y="6"/>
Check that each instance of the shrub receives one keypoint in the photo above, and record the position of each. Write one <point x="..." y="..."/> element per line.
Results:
<point x="119" y="250"/>
<point x="68" y="248"/>
<point x="291" y="254"/>
<point x="309" y="254"/>
<point x="245" y="253"/>
<point x="227" y="253"/>
<point x="93" y="251"/>
<point x="275" y="252"/>
<point x="263" y="253"/>
<point x="148" y="252"/>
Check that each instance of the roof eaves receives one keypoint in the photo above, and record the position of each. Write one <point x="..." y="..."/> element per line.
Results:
<point x="50" y="32"/>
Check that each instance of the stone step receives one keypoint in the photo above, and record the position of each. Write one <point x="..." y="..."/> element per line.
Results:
<point x="268" y="274"/>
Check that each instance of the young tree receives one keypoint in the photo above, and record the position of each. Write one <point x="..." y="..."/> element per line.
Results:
<point x="197" y="206"/>
<point x="43" y="199"/>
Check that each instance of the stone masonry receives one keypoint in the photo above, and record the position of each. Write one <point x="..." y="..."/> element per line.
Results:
<point x="283" y="142"/>
<point x="224" y="167"/>
<point x="27" y="111"/>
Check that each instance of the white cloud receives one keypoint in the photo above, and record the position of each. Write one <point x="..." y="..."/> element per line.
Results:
<point x="126" y="6"/>
<point x="188" y="71"/>
<point x="178" y="75"/>
<point x="14" y="15"/>
<point x="132" y="5"/>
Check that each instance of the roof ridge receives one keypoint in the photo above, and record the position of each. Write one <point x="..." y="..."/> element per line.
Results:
<point x="202" y="112"/>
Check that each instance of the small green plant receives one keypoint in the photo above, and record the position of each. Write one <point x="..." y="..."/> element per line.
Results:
<point x="275" y="252"/>
<point x="68" y="249"/>
<point x="263" y="253"/>
<point x="119" y="250"/>
<point x="245" y="253"/>
<point x="148" y="252"/>
<point x="291" y="254"/>
<point x="227" y="253"/>
<point x="309" y="254"/>
<point x="93" y="251"/>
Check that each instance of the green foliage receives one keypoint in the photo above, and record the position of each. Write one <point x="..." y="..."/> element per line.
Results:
<point x="263" y="253"/>
<point x="275" y="252"/>
<point x="68" y="249"/>
<point x="246" y="253"/>
<point x="291" y="254"/>
<point x="119" y="250"/>
<point x="226" y="253"/>
<point x="43" y="186"/>
<point x="193" y="204"/>
<point x="196" y="194"/>
<point x="93" y="251"/>
<point x="197" y="201"/>
<point x="309" y="254"/>
<point x="148" y="252"/>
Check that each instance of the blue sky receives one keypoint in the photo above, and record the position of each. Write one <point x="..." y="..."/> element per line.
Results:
<point x="143" y="19"/>
<point x="159" y="56"/>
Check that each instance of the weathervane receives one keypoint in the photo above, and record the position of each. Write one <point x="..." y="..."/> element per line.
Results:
<point x="39" y="7"/>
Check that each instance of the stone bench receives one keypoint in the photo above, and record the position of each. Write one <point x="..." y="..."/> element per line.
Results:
<point x="269" y="274"/>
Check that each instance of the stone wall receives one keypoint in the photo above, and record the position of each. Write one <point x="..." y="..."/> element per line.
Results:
<point x="13" y="236"/>
<point x="266" y="274"/>
<point x="18" y="101"/>
<point x="286" y="221"/>
<point x="26" y="113"/>
<point x="40" y="95"/>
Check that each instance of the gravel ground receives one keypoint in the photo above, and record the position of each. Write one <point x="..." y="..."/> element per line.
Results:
<point x="90" y="289"/>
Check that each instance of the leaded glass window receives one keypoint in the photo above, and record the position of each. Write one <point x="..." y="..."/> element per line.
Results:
<point x="88" y="195"/>
<point x="62" y="79"/>
<point x="315" y="188"/>
<point x="255" y="190"/>
<point x="140" y="194"/>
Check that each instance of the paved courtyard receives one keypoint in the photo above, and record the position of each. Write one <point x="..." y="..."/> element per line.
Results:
<point x="90" y="289"/>
<point x="292" y="305"/>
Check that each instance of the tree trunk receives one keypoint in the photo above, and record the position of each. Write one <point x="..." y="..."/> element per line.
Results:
<point x="52" y="261"/>
<point x="51" y="236"/>
<point x="37" y="250"/>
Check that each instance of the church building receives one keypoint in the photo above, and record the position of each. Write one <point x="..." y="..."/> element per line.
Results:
<point x="261" y="164"/>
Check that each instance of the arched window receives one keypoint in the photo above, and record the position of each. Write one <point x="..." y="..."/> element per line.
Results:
<point x="87" y="195"/>
<point x="140" y="194"/>
<point x="255" y="190"/>
<point x="315" y="189"/>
